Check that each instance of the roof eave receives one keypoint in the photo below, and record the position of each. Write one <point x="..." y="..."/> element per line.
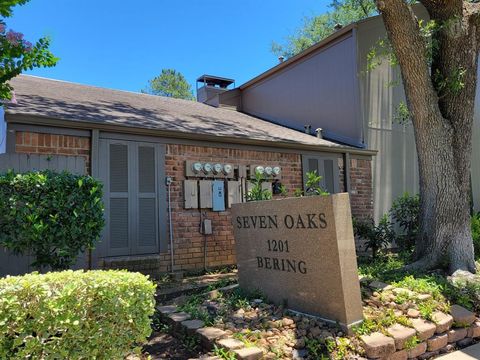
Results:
<point x="85" y="125"/>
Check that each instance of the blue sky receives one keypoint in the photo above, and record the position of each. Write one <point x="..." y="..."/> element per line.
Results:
<point x="121" y="44"/>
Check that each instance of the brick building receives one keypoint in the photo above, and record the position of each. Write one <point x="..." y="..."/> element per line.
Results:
<point x="134" y="142"/>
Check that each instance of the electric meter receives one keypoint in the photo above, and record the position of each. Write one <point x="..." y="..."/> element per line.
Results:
<point x="217" y="168"/>
<point x="260" y="170"/>
<point x="196" y="167"/>
<point x="227" y="169"/>
<point x="207" y="168"/>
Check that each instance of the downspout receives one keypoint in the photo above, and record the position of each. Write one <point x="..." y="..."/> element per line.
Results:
<point x="168" y="181"/>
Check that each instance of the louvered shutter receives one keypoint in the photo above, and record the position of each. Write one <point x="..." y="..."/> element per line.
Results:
<point x="146" y="201"/>
<point x="117" y="198"/>
<point x="326" y="167"/>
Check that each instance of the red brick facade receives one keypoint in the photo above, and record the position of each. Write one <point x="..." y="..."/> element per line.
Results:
<point x="51" y="144"/>
<point x="188" y="241"/>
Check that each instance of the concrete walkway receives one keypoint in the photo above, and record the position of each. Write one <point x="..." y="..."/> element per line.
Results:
<point x="469" y="353"/>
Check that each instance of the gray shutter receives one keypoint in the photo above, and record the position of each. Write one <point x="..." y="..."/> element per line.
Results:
<point x="326" y="167"/>
<point x="117" y="200"/>
<point x="146" y="241"/>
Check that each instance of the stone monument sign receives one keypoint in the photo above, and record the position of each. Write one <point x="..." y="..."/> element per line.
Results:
<point x="300" y="252"/>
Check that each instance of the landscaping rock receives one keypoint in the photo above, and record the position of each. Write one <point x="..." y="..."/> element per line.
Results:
<point x="377" y="345"/>
<point x="423" y="297"/>
<point x="400" y="335"/>
<point x="442" y="320"/>
<point x="208" y="335"/>
<point x="464" y="342"/>
<point x="299" y="354"/>
<point x="399" y="355"/>
<point x="413" y="313"/>
<point x="455" y="335"/>
<point x="167" y="309"/>
<point x="378" y="285"/>
<point x="474" y="330"/>
<point x="417" y="350"/>
<point x="398" y="291"/>
<point x="191" y="326"/>
<point x="425" y="329"/>
<point x="461" y="316"/>
<point x="230" y="344"/>
<point x="251" y="353"/>
<point x="179" y="317"/>
<point x="437" y="342"/>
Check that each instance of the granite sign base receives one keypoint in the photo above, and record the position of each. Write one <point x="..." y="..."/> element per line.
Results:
<point x="300" y="252"/>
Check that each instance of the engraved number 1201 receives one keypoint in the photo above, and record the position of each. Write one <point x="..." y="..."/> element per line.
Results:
<point x="278" y="245"/>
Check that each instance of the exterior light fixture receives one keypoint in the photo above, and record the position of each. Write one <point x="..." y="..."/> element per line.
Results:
<point x="276" y="170"/>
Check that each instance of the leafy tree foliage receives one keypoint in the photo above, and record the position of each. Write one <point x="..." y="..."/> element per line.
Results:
<point x="16" y="53"/>
<point x="170" y="83"/>
<point x="315" y="29"/>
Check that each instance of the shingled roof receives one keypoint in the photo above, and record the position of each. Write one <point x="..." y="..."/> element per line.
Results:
<point x="41" y="98"/>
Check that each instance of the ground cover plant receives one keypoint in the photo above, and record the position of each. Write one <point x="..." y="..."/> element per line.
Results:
<point x="74" y="314"/>
<point x="52" y="216"/>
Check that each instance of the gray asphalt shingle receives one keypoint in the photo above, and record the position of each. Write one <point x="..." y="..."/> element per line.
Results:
<point x="69" y="101"/>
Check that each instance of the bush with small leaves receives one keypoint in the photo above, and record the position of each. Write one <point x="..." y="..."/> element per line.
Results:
<point x="75" y="315"/>
<point x="52" y="216"/>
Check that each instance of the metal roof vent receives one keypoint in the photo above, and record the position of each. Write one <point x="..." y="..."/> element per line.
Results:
<point x="318" y="131"/>
<point x="308" y="129"/>
<point x="281" y="59"/>
<point x="338" y="26"/>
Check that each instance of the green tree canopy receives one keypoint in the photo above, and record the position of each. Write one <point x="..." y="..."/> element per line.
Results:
<point x="16" y="53"/>
<point x="317" y="28"/>
<point x="170" y="83"/>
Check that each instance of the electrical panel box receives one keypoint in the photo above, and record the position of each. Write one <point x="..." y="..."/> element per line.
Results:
<point x="234" y="189"/>
<point x="205" y="194"/>
<point x="218" y="195"/>
<point x="207" y="227"/>
<point x="190" y="194"/>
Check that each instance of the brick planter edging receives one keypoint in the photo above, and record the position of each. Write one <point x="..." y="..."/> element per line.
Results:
<point x="445" y="338"/>
<point x="207" y="336"/>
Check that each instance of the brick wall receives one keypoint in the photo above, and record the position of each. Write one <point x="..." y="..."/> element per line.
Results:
<point x="188" y="241"/>
<point x="50" y="144"/>
<point x="361" y="192"/>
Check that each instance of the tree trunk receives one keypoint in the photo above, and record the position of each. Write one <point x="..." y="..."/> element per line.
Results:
<point x="442" y="117"/>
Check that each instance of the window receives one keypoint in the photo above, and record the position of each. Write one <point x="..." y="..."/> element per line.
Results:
<point x="327" y="167"/>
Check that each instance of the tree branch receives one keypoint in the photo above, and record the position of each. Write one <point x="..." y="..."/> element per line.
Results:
<point x="410" y="48"/>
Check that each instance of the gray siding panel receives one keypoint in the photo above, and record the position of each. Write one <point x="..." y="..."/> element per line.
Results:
<point x="395" y="168"/>
<point x="319" y="90"/>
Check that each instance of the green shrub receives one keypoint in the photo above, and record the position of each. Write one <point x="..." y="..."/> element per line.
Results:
<point x="74" y="314"/>
<point x="257" y="193"/>
<point x="476" y="234"/>
<point x="376" y="236"/>
<point x="312" y="186"/>
<point x="405" y="212"/>
<point x="52" y="216"/>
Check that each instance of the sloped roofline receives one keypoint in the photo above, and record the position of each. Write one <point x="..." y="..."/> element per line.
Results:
<point x="336" y="35"/>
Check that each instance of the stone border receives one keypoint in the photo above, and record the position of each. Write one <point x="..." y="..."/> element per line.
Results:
<point x="207" y="336"/>
<point x="435" y="338"/>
